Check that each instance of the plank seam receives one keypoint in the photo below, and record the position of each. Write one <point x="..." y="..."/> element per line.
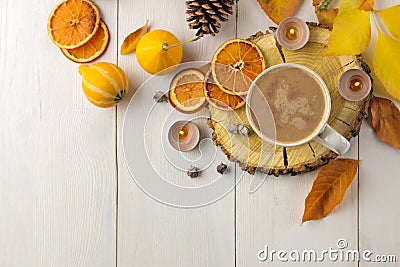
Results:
<point x="116" y="153"/>
<point x="235" y="173"/>
<point x="358" y="198"/>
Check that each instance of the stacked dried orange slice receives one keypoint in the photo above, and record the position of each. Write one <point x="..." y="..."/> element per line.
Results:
<point x="235" y="65"/>
<point x="76" y="28"/>
<point x="219" y="98"/>
<point x="186" y="92"/>
<point x="190" y="90"/>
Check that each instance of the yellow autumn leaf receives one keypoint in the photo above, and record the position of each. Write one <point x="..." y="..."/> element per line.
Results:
<point x="327" y="17"/>
<point x="278" y="10"/>
<point x="131" y="41"/>
<point x="368" y="5"/>
<point x="387" y="63"/>
<point x="346" y="5"/>
<point x="351" y="33"/>
<point x="391" y="18"/>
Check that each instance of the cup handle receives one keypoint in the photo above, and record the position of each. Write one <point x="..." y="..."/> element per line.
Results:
<point x="333" y="140"/>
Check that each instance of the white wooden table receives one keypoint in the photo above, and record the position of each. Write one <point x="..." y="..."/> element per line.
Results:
<point x="67" y="198"/>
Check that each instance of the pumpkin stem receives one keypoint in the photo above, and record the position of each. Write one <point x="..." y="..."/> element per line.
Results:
<point x="165" y="46"/>
<point x="82" y="69"/>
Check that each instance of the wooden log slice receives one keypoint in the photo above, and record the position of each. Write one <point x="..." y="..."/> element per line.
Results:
<point x="346" y="117"/>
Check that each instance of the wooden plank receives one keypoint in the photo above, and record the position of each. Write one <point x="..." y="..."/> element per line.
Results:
<point x="150" y="233"/>
<point x="58" y="168"/>
<point x="379" y="180"/>
<point x="379" y="216"/>
<point x="272" y="215"/>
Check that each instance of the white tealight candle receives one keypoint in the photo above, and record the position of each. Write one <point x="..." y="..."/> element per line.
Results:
<point x="293" y="33"/>
<point x="184" y="135"/>
<point x="354" y="85"/>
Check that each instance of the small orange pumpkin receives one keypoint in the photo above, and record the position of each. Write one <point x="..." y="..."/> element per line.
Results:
<point x="158" y="50"/>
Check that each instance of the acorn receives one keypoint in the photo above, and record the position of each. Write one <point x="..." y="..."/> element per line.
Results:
<point x="244" y="129"/>
<point x="221" y="168"/>
<point x="160" y="97"/>
<point x="241" y="129"/>
<point x="193" y="172"/>
<point x="233" y="129"/>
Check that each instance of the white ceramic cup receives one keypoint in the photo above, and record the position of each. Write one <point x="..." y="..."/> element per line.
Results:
<point x="324" y="134"/>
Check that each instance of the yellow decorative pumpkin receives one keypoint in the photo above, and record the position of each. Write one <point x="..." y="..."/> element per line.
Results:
<point x="104" y="84"/>
<point x="158" y="50"/>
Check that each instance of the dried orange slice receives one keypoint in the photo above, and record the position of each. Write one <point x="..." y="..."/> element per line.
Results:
<point x="235" y="65"/>
<point x="186" y="92"/>
<point x="219" y="99"/>
<point x="73" y="22"/>
<point x="93" y="49"/>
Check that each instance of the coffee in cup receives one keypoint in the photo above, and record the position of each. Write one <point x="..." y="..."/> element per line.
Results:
<point x="289" y="105"/>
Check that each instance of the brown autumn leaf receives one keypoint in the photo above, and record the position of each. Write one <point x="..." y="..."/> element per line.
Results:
<point x="385" y="120"/>
<point x="278" y="10"/>
<point x="131" y="41"/>
<point x="368" y="5"/>
<point x="329" y="187"/>
<point x="327" y="17"/>
<point x="316" y="2"/>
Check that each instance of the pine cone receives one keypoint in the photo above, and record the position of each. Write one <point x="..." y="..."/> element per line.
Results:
<point x="204" y="15"/>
